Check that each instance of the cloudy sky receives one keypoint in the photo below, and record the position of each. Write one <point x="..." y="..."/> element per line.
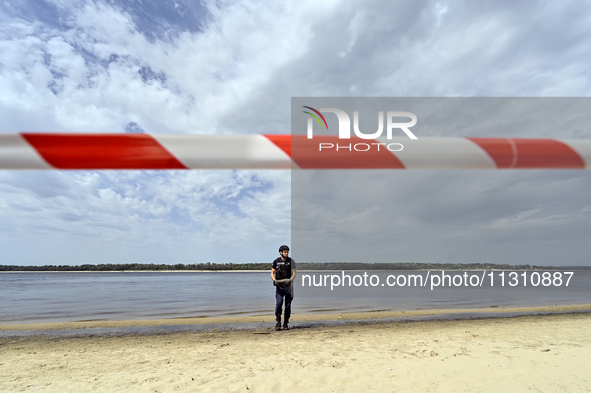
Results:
<point x="231" y="67"/>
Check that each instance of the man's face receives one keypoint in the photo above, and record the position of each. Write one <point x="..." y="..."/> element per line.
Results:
<point x="284" y="253"/>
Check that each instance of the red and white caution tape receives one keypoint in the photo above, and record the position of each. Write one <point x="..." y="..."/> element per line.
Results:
<point x="141" y="151"/>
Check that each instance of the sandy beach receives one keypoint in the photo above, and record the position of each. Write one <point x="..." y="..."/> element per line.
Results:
<point x="548" y="353"/>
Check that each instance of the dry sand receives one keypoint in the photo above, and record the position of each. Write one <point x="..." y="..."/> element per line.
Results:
<point x="522" y="354"/>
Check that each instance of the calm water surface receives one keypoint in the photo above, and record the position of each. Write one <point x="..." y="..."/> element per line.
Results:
<point x="60" y="297"/>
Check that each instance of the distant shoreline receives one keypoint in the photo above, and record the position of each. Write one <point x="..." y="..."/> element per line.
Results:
<point x="302" y="266"/>
<point x="136" y="271"/>
<point x="554" y="268"/>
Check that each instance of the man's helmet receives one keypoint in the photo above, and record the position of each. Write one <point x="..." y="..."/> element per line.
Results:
<point x="283" y="247"/>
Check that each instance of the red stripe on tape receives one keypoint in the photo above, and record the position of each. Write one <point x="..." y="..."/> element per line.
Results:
<point x="306" y="153"/>
<point x="546" y="153"/>
<point x="531" y="153"/>
<point x="281" y="141"/>
<point x="102" y="151"/>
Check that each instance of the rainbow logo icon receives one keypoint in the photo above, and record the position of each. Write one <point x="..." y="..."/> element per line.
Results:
<point x="314" y="116"/>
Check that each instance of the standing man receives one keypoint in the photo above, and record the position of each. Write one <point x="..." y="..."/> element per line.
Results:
<point x="283" y="273"/>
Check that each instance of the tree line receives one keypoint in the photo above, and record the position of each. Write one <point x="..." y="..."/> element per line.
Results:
<point x="267" y="266"/>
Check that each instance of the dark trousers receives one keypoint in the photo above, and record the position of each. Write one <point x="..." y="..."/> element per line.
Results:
<point x="281" y="292"/>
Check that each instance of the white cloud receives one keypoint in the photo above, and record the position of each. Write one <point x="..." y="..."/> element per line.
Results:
<point x="95" y="66"/>
<point x="194" y="212"/>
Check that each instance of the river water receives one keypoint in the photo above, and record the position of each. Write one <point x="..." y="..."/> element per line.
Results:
<point x="84" y="296"/>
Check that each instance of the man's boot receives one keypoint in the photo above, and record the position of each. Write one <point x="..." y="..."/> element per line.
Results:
<point x="278" y="326"/>
<point x="285" y="326"/>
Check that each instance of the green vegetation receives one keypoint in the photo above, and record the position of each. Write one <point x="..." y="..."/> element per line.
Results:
<point x="267" y="266"/>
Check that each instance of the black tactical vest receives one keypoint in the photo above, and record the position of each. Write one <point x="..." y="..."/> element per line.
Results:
<point x="283" y="270"/>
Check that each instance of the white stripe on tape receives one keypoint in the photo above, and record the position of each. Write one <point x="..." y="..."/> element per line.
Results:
<point x="16" y="153"/>
<point x="225" y="151"/>
<point x="582" y="147"/>
<point x="440" y="153"/>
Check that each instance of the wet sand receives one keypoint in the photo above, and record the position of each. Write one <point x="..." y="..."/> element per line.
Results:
<point x="373" y="315"/>
<point x="548" y="353"/>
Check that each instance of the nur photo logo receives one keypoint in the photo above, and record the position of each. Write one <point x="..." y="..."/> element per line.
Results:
<point x="344" y="132"/>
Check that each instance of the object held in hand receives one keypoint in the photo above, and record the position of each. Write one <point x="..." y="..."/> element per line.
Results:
<point x="284" y="281"/>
